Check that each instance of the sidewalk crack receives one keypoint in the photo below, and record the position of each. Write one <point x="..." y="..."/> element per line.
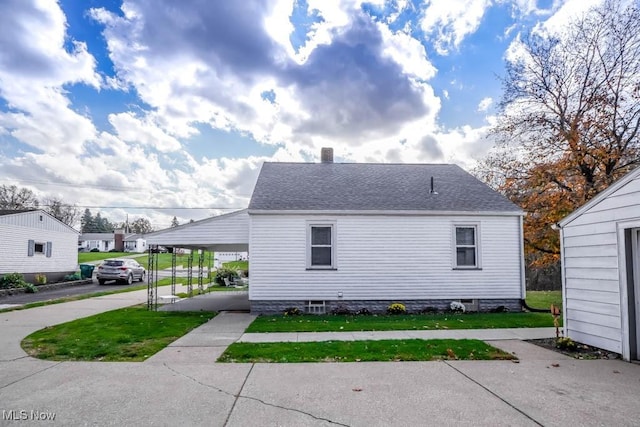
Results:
<point x="30" y="375"/>
<point x="239" y="396"/>
<point x="493" y="393"/>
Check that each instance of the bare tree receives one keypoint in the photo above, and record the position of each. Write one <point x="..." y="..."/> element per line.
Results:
<point x="569" y="119"/>
<point x="69" y="214"/>
<point x="12" y="197"/>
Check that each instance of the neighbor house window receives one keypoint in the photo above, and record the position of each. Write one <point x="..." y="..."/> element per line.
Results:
<point x="466" y="246"/>
<point x="34" y="248"/>
<point x="321" y="246"/>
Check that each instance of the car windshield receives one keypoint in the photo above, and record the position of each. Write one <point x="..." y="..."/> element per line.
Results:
<point x="113" y="263"/>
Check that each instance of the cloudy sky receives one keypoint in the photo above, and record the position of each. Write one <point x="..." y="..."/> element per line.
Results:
<point x="158" y="108"/>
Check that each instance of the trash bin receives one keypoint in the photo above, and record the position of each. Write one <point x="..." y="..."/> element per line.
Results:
<point x="86" y="271"/>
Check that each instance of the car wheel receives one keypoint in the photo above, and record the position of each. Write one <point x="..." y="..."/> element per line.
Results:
<point x="142" y="276"/>
<point x="101" y="281"/>
<point x="129" y="279"/>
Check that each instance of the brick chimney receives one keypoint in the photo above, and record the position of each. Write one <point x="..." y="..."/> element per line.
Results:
<point x="326" y="155"/>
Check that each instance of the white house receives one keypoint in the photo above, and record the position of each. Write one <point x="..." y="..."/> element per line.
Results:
<point x="326" y="234"/>
<point x="135" y="243"/>
<point x="600" y="245"/>
<point x="35" y="242"/>
<point x="104" y="242"/>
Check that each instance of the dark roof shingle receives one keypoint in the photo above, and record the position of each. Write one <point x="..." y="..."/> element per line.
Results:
<point x="373" y="187"/>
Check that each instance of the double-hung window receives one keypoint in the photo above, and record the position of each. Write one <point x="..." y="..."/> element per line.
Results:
<point x="466" y="246"/>
<point x="321" y="245"/>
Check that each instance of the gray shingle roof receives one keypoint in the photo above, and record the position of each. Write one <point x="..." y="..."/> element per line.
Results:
<point x="4" y="212"/>
<point x="372" y="187"/>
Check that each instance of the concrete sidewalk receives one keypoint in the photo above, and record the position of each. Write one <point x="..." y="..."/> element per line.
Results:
<point x="182" y="385"/>
<point x="480" y="334"/>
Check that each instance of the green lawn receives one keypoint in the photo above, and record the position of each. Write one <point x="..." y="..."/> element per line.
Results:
<point x="128" y="334"/>
<point x="357" y="351"/>
<point x="544" y="299"/>
<point x="324" y="323"/>
<point x="97" y="256"/>
<point x="236" y="265"/>
<point x="164" y="260"/>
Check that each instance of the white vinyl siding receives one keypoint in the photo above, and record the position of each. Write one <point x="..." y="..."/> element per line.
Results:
<point x="591" y="268"/>
<point x="383" y="257"/>
<point x="60" y="250"/>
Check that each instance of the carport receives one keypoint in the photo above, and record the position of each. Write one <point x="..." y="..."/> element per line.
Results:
<point x="223" y="233"/>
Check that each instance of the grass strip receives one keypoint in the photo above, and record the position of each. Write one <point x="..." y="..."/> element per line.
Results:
<point x="544" y="299"/>
<point x="415" y="322"/>
<point x="128" y="334"/>
<point x="363" y="351"/>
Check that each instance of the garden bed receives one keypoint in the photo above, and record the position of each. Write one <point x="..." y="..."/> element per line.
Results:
<point x="47" y="287"/>
<point x="581" y="351"/>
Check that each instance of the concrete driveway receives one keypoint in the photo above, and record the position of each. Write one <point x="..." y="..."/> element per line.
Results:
<point x="183" y="386"/>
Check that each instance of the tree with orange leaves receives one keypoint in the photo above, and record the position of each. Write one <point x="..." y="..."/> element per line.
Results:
<point x="569" y="120"/>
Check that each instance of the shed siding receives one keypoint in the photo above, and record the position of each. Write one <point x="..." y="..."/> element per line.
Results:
<point x="384" y="257"/>
<point x="591" y="268"/>
<point x="14" y="250"/>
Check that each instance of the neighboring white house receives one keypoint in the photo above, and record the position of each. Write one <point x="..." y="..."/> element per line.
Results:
<point x="104" y="242"/>
<point x="222" y="257"/>
<point x="135" y="243"/>
<point x="600" y="245"/>
<point x="366" y="235"/>
<point x="35" y="242"/>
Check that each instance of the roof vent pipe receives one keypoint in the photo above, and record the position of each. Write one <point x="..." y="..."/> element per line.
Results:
<point x="432" y="190"/>
<point x="326" y="155"/>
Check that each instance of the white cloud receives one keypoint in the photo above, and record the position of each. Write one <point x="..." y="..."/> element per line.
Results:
<point x="448" y="22"/>
<point x="35" y="67"/>
<point x="136" y="130"/>
<point x="484" y="104"/>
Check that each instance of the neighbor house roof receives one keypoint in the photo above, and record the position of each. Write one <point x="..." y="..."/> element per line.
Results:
<point x="97" y="236"/>
<point x="14" y="211"/>
<point x="373" y="187"/>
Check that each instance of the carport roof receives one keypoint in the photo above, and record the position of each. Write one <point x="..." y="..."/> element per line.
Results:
<point x="222" y="233"/>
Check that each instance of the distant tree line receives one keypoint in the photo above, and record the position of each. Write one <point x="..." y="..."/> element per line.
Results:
<point x="14" y="198"/>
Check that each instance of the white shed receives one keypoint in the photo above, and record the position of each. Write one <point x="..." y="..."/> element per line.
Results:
<point x="600" y="245"/>
<point x="35" y="242"/>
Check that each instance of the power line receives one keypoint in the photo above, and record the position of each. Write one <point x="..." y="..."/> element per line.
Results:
<point x="144" y="207"/>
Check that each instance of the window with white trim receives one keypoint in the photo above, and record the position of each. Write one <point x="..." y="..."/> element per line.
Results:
<point x="321" y="246"/>
<point x="466" y="246"/>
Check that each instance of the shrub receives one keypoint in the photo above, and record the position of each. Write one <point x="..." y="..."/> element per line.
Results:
<point x="396" y="308"/>
<point x="41" y="278"/>
<point x="457" y="307"/>
<point x="566" y="343"/>
<point x="363" y="312"/>
<point x="95" y="250"/>
<point x="72" y="277"/>
<point x="223" y="273"/>
<point x="292" y="311"/>
<point x="30" y="288"/>
<point x="500" y="309"/>
<point x="12" y="280"/>
<point x="114" y="250"/>
<point x="429" y="310"/>
<point x="341" y="309"/>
